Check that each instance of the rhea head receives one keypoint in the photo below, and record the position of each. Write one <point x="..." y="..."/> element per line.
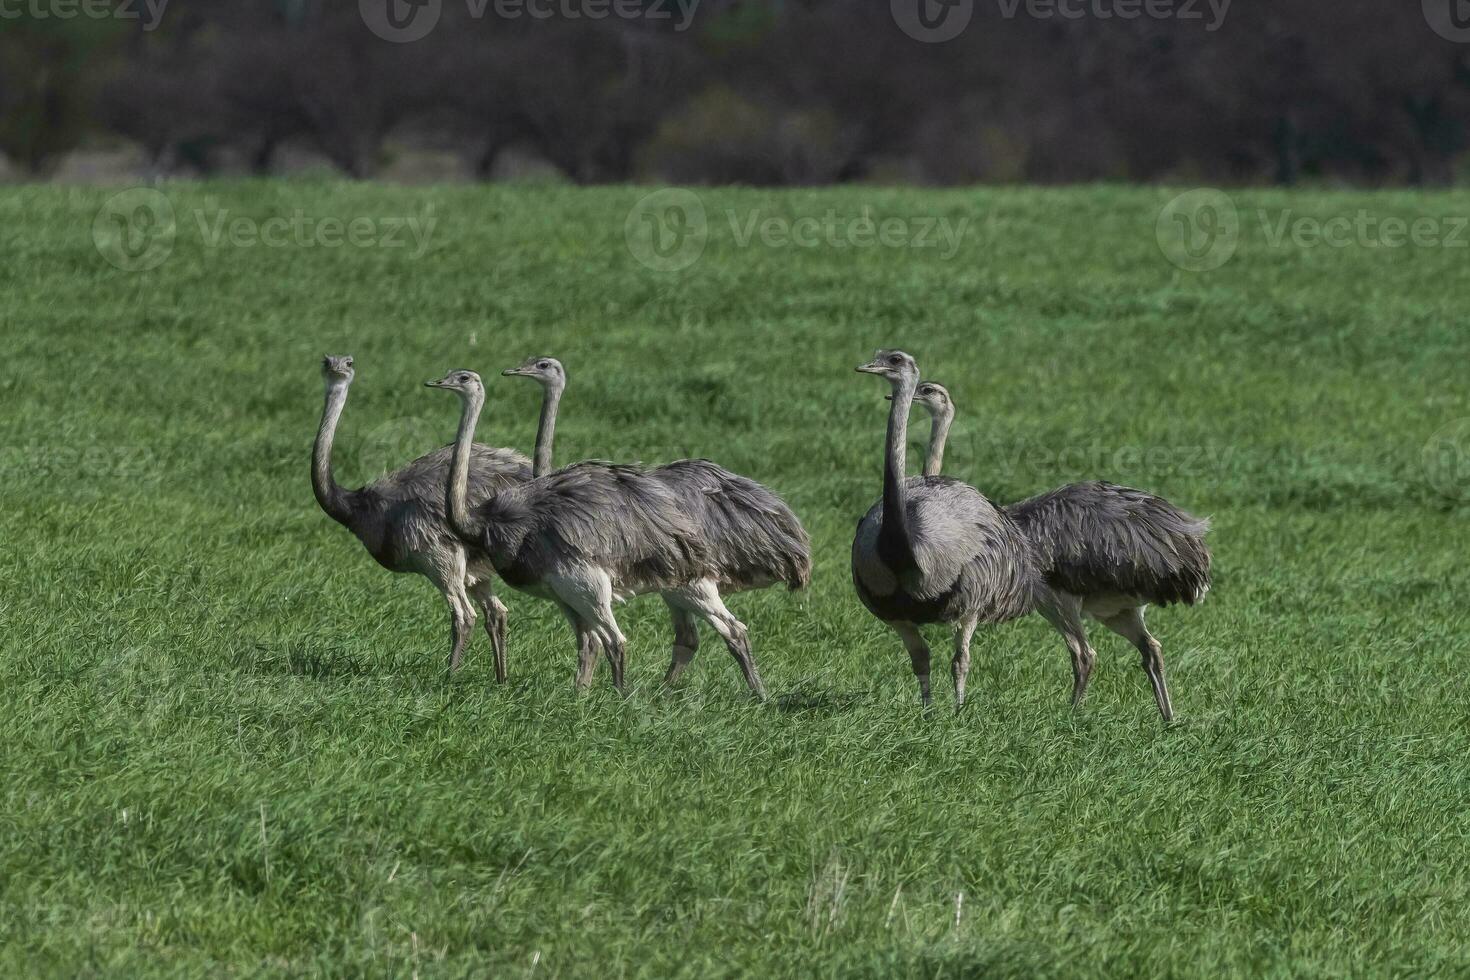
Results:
<point x="545" y="371"/>
<point x="899" y="368"/>
<point x="466" y="384"/>
<point x="337" y="369"/>
<point x="934" y="397"/>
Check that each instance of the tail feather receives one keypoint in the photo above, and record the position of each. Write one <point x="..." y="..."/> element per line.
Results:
<point x="754" y="538"/>
<point x="1098" y="538"/>
<point x="616" y="516"/>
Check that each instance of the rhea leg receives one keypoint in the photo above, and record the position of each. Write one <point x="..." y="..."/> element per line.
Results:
<point x="913" y="641"/>
<point x="448" y="575"/>
<point x="960" y="666"/>
<point x="1129" y="625"/>
<point x="1064" y="611"/>
<point x="615" y="645"/>
<point x="703" y="600"/>
<point x="496" y="615"/>
<point x="686" y="640"/>
<point x="462" y="617"/>
<point x="588" y="593"/>
<point x="587" y="647"/>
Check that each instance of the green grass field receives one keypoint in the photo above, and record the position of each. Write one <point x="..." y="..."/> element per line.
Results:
<point x="228" y="744"/>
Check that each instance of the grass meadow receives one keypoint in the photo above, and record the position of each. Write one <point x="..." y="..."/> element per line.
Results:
<point x="228" y="745"/>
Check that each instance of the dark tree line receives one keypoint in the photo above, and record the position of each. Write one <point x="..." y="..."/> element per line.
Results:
<point x="759" y="91"/>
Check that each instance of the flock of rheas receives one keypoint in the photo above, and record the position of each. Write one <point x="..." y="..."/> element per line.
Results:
<point x="932" y="549"/>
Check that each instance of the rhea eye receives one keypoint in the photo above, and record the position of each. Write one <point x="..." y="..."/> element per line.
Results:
<point x="544" y="365"/>
<point x="895" y="359"/>
<point x="464" y="378"/>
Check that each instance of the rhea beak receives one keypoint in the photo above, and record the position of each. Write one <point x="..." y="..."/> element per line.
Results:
<point x="871" y="368"/>
<point x="434" y="384"/>
<point x="512" y="373"/>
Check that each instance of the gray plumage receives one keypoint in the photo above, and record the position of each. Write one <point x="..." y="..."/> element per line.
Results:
<point x="969" y="559"/>
<point x="753" y="538"/>
<point x="616" y="518"/>
<point x="1104" y="551"/>
<point x="402" y="521"/>
<point x="401" y="517"/>
<point x="583" y="537"/>
<point x="934" y="549"/>
<point x="1099" y="539"/>
<point x="754" y="541"/>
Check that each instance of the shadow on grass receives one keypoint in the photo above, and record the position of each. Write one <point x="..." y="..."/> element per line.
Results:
<point x="821" y="702"/>
<point x="297" y="660"/>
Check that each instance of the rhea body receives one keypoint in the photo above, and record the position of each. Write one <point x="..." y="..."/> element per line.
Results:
<point x="753" y="538"/>
<point x="1103" y="551"/>
<point x="583" y="537"/>
<point x="402" y="521"/>
<point x="934" y="549"/>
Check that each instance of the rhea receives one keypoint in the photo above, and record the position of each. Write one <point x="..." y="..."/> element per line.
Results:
<point x="401" y="519"/>
<point x="754" y="538"/>
<point x="934" y="549"/>
<point x="584" y="536"/>
<point x="1105" y="552"/>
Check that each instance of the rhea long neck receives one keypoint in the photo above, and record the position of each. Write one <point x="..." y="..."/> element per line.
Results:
<point x="460" y="519"/>
<point x="895" y="495"/>
<point x="332" y="498"/>
<point x="546" y="431"/>
<point x="938" y="433"/>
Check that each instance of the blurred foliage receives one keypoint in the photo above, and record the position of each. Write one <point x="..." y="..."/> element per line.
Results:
<point x="759" y="91"/>
<point x="49" y="73"/>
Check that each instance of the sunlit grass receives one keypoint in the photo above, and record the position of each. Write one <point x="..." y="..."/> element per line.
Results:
<point x="228" y="744"/>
